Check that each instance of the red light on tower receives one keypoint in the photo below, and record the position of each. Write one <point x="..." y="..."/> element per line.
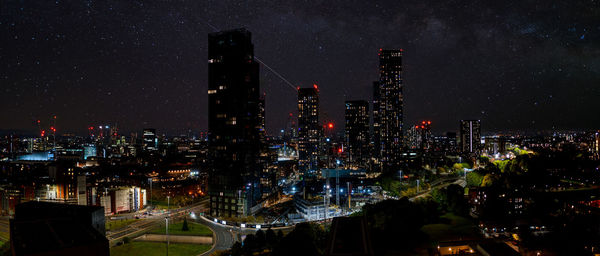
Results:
<point x="340" y="150"/>
<point x="428" y="122"/>
<point x="315" y="86"/>
<point x="38" y="121"/>
<point x="330" y="125"/>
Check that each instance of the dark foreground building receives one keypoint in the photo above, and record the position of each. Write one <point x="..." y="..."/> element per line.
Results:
<point x="41" y="228"/>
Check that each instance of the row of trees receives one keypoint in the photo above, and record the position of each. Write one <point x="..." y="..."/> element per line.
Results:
<point x="306" y="239"/>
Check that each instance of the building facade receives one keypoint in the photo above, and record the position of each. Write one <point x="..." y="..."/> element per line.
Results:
<point x="234" y="123"/>
<point x="391" y="103"/>
<point x="470" y="136"/>
<point x="150" y="141"/>
<point x="357" y="130"/>
<point x="309" y="129"/>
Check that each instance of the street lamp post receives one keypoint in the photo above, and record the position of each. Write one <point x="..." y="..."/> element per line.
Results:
<point x="150" y="179"/>
<point x="167" y="233"/>
<point x="167" y="222"/>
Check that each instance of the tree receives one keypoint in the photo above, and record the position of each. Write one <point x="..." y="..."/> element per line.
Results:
<point x="260" y="239"/>
<point x="305" y="239"/>
<point x="488" y="180"/>
<point x="185" y="227"/>
<point x="474" y="179"/>
<point x="270" y="238"/>
<point x="236" y="249"/>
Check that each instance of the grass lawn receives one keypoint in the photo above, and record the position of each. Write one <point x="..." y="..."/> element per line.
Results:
<point x="152" y="248"/>
<point x="117" y="224"/>
<point x="452" y="227"/>
<point x="175" y="229"/>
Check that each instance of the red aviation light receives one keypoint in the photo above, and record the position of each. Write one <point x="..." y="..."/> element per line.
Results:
<point x="330" y="125"/>
<point x="340" y="150"/>
<point x="315" y="86"/>
<point x="428" y="122"/>
<point x="423" y="122"/>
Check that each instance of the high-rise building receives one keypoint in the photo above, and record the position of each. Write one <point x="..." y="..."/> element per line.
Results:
<point x="308" y="127"/>
<point x="150" y="141"/>
<point x="390" y="108"/>
<point x="357" y="130"/>
<point x="234" y="123"/>
<point x="376" y="138"/>
<point x="419" y="136"/>
<point x="470" y="136"/>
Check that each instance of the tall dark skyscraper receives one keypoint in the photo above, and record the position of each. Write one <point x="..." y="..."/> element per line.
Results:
<point x="470" y="136"/>
<point x="308" y="127"/>
<point x="234" y="123"/>
<point x="357" y="130"/>
<point x="391" y="104"/>
<point x="150" y="142"/>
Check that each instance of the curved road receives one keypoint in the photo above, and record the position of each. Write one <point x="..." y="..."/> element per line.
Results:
<point x="223" y="237"/>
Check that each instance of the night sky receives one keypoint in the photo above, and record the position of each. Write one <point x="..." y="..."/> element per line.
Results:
<point x="516" y="65"/>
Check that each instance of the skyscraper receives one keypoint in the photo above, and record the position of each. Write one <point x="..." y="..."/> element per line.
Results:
<point x="234" y="123"/>
<point x="308" y="127"/>
<point x="150" y="142"/>
<point x="376" y="138"/>
<point x="390" y="107"/>
<point x="357" y="130"/>
<point x="470" y="136"/>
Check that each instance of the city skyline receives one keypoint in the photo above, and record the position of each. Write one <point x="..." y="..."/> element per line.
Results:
<point x="148" y="69"/>
<point x="299" y="128"/>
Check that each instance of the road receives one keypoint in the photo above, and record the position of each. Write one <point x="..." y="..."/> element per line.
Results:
<point x="459" y="181"/>
<point x="226" y="236"/>
<point x="150" y="222"/>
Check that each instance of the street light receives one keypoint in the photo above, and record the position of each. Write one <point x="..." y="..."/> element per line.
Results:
<point x="167" y="222"/>
<point x="167" y="232"/>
